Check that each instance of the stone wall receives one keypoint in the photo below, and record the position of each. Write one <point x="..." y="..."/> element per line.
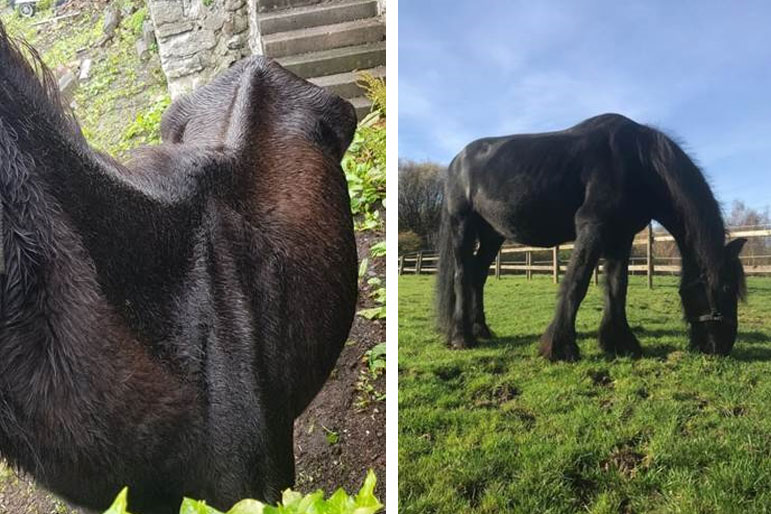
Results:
<point x="199" y="38"/>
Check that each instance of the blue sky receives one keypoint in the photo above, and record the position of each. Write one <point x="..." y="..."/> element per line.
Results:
<point x="699" y="70"/>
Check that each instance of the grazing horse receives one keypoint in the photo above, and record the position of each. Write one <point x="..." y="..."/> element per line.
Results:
<point x="163" y="322"/>
<point x="598" y="183"/>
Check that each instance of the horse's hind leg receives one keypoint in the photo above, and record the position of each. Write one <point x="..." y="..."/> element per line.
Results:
<point x="490" y="242"/>
<point x="559" y="340"/>
<point x="615" y="336"/>
<point x="463" y="238"/>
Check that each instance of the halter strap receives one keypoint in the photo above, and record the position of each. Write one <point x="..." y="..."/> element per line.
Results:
<point x="714" y="316"/>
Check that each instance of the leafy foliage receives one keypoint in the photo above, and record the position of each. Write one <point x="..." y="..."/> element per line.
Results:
<point x="135" y="22"/>
<point x="119" y="87"/>
<point x="375" y="89"/>
<point x="364" y="167"/>
<point x="364" y="502"/>
<point x="379" y="297"/>
<point x="376" y="358"/>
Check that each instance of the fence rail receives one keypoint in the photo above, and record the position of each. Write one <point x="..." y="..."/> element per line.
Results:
<point x="649" y="264"/>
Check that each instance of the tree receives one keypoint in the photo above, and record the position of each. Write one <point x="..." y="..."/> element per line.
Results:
<point x="421" y="190"/>
<point x="748" y="218"/>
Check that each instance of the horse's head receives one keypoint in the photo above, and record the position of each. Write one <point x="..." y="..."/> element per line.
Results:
<point x="711" y="309"/>
<point x="258" y="101"/>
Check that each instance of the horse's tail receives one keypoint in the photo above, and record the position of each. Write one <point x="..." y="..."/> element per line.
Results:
<point x="445" y="279"/>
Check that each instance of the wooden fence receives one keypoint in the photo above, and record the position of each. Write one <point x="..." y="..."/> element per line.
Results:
<point x="649" y="264"/>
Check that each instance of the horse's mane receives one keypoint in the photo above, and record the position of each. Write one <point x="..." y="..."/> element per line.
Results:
<point x="27" y="87"/>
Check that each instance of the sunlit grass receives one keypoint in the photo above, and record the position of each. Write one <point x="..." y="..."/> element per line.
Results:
<point x="498" y="429"/>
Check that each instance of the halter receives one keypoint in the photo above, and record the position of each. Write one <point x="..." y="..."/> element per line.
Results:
<point x="714" y="316"/>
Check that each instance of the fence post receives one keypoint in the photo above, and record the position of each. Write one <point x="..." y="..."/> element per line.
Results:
<point x="498" y="265"/>
<point x="419" y="262"/>
<point x="556" y="263"/>
<point x="597" y="274"/>
<point x="401" y="264"/>
<point x="528" y="264"/>
<point x="649" y="254"/>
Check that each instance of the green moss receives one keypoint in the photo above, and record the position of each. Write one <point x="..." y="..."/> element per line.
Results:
<point x="135" y="22"/>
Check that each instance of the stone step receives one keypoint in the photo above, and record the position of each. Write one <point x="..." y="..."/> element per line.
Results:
<point x="273" y="5"/>
<point x="327" y="13"/>
<point x="337" y="60"/>
<point x="349" y="33"/>
<point x="363" y="106"/>
<point x="344" y="84"/>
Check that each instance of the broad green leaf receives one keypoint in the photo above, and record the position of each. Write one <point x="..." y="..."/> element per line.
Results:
<point x="196" y="507"/>
<point x="363" y="267"/>
<point x="247" y="507"/>
<point x="120" y="505"/>
<point x="366" y="502"/>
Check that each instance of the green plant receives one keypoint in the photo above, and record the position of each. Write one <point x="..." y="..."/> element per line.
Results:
<point x="364" y="502"/>
<point x="376" y="358"/>
<point x="378" y="249"/>
<point x="375" y="89"/>
<point x="379" y="297"/>
<point x="146" y="128"/>
<point x="364" y="166"/>
<point x="135" y="22"/>
<point x="332" y="436"/>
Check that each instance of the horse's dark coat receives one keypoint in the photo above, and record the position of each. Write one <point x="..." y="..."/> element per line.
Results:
<point x="163" y="323"/>
<point x="598" y="183"/>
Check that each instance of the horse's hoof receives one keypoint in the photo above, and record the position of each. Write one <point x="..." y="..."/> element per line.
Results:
<point x="461" y="343"/>
<point x="558" y="351"/>
<point x="620" y="342"/>
<point x="481" y="331"/>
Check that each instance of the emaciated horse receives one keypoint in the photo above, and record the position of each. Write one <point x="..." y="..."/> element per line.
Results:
<point x="163" y="322"/>
<point x="598" y="183"/>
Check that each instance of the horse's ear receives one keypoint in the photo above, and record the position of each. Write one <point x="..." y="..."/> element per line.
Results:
<point x="733" y="248"/>
<point x="335" y="129"/>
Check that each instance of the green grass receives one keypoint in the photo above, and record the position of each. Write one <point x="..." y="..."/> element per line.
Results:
<point x="499" y="429"/>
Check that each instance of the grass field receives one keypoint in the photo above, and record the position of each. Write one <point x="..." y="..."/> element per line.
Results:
<point x="499" y="429"/>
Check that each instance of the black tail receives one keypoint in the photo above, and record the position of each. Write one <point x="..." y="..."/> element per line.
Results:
<point x="445" y="277"/>
<point x="445" y="280"/>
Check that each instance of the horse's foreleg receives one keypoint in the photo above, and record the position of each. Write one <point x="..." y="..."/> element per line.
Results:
<point x="279" y="461"/>
<point x="462" y="241"/>
<point x="489" y="244"/>
<point x="559" y="340"/>
<point x="615" y="336"/>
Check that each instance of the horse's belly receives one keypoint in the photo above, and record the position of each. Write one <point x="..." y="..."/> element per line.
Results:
<point x="532" y="223"/>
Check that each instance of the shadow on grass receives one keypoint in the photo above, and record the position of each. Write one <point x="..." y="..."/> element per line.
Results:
<point x="752" y="354"/>
<point x="509" y="341"/>
<point x="651" y="351"/>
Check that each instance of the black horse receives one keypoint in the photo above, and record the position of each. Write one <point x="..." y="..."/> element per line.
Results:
<point x="162" y="323"/>
<point x="598" y="183"/>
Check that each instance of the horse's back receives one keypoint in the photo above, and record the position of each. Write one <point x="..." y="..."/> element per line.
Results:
<point x="529" y="185"/>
